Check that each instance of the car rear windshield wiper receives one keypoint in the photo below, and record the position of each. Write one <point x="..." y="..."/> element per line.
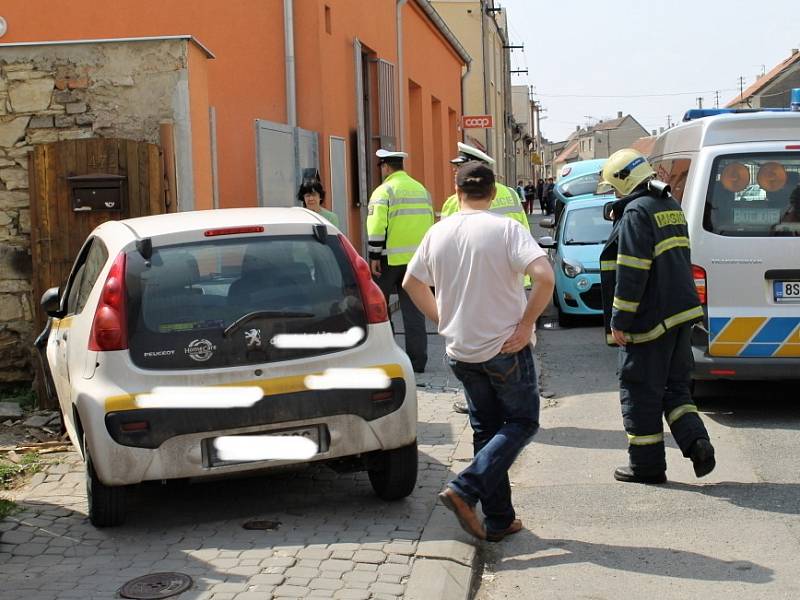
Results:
<point x="265" y="314"/>
<point x="574" y="243"/>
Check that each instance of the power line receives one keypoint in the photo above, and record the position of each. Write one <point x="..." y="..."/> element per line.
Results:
<point x="631" y="95"/>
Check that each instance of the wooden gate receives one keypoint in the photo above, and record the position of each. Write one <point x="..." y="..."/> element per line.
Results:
<point x="57" y="229"/>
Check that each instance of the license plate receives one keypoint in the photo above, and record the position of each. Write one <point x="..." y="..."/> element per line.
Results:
<point x="786" y="291"/>
<point x="211" y="459"/>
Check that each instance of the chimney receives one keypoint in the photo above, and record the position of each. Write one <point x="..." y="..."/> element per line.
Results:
<point x="577" y="127"/>
<point x="654" y="133"/>
<point x="619" y="114"/>
<point x="660" y="130"/>
<point x="795" y="51"/>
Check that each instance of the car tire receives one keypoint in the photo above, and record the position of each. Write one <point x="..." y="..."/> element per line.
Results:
<point x="106" y="502"/>
<point x="393" y="474"/>
<point x="564" y="319"/>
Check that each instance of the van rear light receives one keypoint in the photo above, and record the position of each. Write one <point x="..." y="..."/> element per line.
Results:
<point x="699" y="275"/>
<point x="135" y="426"/>
<point x="110" y="325"/>
<point x="793" y="147"/>
<point x="371" y="294"/>
<point x="233" y="230"/>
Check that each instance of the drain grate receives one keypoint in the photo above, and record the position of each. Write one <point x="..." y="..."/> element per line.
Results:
<point x="262" y="525"/>
<point x="156" y="586"/>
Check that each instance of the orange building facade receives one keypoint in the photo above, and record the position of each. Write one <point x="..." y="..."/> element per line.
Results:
<point x="366" y="74"/>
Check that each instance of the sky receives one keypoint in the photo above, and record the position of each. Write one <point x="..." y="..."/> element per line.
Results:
<point x="666" y="52"/>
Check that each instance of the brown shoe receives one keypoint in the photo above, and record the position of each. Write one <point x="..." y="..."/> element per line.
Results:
<point x="465" y="513"/>
<point x="497" y="536"/>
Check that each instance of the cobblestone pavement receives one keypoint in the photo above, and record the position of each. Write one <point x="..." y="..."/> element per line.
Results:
<point x="335" y="538"/>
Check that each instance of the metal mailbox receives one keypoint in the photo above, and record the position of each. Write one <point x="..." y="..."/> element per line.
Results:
<point x="98" y="191"/>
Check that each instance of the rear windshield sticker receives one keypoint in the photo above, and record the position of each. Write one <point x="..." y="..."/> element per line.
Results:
<point x="171" y="327"/>
<point x="200" y="350"/>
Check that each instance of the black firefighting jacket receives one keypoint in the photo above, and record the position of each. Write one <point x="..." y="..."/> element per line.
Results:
<point x="646" y="269"/>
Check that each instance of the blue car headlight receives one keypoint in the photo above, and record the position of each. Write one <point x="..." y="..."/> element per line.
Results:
<point x="571" y="268"/>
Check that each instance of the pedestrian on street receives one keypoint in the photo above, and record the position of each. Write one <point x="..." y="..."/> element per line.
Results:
<point x="650" y="303"/>
<point x="520" y="189"/>
<point x="505" y="203"/>
<point x="549" y="197"/>
<point x="400" y="212"/>
<point x="475" y="260"/>
<point x="540" y="185"/>
<point x="530" y="196"/>
<point x="312" y="195"/>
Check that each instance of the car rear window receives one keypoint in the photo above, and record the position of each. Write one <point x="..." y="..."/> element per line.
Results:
<point x="182" y="301"/>
<point x="754" y="195"/>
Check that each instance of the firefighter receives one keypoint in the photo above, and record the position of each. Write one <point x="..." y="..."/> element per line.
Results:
<point x="400" y="213"/>
<point x="650" y="303"/>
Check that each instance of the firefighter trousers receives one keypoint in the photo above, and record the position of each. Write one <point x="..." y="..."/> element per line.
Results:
<point x="654" y="380"/>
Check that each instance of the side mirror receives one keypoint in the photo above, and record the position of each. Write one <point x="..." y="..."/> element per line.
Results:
<point x="50" y="302"/>
<point x="547" y="223"/>
<point x="547" y="242"/>
<point x="607" y="211"/>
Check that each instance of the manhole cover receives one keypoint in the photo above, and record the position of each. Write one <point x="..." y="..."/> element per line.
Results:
<point x="156" y="586"/>
<point x="262" y="525"/>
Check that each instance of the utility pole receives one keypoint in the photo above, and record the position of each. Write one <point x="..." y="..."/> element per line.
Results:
<point x="700" y="102"/>
<point x="741" y="88"/>
<point x="716" y="99"/>
<point x="669" y="121"/>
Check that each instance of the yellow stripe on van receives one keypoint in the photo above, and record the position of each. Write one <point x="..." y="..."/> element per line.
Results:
<point x="734" y="337"/>
<point x="270" y="387"/>
<point x="788" y="351"/>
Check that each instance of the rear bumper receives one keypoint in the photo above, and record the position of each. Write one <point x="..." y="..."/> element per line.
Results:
<point x="757" y="369"/>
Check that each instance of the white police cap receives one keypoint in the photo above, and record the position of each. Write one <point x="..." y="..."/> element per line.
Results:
<point x="467" y="152"/>
<point x="383" y="154"/>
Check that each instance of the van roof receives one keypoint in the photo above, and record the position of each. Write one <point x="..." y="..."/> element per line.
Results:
<point x="729" y="128"/>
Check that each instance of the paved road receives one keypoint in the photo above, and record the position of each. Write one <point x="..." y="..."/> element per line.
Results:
<point x="335" y="539"/>
<point x="734" y="534"/>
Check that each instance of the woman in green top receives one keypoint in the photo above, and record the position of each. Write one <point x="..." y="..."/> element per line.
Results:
<point x="312" y="195"/>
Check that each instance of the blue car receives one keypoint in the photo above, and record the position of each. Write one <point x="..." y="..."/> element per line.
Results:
<point x="575" y="252"/>
<point x="577" y="181"/>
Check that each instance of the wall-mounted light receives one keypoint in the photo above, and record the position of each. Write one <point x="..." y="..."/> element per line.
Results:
<point x="3" y="26"/>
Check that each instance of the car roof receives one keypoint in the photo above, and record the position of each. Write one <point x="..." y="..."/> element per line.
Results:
<point x="587" y="203"/>
<point x="195" y="220"/>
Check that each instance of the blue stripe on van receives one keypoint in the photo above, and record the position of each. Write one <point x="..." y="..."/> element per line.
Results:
<point x="716" y="325"/>
<point x="759" y="350"/>
<point x="776" y="330"/>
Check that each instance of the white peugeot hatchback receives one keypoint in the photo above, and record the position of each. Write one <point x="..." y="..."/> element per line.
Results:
<point x="254" y="327"/>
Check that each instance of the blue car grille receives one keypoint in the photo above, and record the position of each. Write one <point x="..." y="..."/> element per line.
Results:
<point x="592" y="297"/>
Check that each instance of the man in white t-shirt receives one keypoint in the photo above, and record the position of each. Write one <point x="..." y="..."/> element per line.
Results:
<point x="476" y="261"/>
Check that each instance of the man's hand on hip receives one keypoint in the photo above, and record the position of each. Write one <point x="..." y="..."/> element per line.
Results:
<point x="519" y="339"/>
<point x="375" y="267"/>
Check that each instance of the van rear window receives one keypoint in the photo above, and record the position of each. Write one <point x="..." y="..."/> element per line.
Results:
<point x="220" y="302"/>
<point x="754" y="195"/>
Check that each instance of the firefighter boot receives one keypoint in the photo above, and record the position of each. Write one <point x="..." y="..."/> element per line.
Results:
<point x="702" y="455"/>
<point x="627" y="474"/>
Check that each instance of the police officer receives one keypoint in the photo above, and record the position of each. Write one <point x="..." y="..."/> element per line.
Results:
<point x="650" y="303"/>
<point x="400" y="213"/>
<point x="506" y="202"/>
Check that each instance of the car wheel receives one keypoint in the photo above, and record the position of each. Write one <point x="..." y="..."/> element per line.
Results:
<point x="393" y="475"/>
<point x="564" y="319"/>
<point x="106" y="502"/>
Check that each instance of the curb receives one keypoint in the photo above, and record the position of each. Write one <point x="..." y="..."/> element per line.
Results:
<point x="446" y="556"/>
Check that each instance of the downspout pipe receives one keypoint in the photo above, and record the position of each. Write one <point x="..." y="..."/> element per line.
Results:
<point x="288" y="36"/>
<point x="401" y="75"/>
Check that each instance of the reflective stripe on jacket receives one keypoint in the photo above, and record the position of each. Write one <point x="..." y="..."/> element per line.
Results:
<point x="400" y="213"/>
<point x="646" y="269"/>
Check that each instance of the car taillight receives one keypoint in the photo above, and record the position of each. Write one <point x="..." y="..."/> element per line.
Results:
<point x="699" y="275"/>
<point x="110" y="325"/>
<point x="371" y="294"/>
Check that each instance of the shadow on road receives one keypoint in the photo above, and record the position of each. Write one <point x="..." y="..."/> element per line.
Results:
<point x="767" y="497"/>
<point x="662" y="562"/>
<point x="598" y="439"/>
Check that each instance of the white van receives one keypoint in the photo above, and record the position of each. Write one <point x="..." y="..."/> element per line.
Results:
<point x="737" y="177"/>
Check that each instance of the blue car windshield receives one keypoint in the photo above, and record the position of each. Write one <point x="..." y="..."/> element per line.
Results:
<point x="586" y="184"/>
<point x="586" y="226"/>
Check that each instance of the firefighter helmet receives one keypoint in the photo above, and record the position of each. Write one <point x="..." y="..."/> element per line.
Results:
<point x="624" y="171"/>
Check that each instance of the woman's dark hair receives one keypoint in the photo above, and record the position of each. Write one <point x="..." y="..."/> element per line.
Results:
<point x="475" y="179"/>
<point x="310" y="187"/>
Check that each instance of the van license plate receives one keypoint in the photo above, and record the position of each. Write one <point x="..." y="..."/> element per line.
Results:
<point x="786" y="291"/>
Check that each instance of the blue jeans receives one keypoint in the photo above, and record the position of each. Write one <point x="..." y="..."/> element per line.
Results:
<point x="503" y="399"/>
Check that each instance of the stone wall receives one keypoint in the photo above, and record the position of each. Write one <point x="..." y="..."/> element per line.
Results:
<point x="59" y="92"/>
